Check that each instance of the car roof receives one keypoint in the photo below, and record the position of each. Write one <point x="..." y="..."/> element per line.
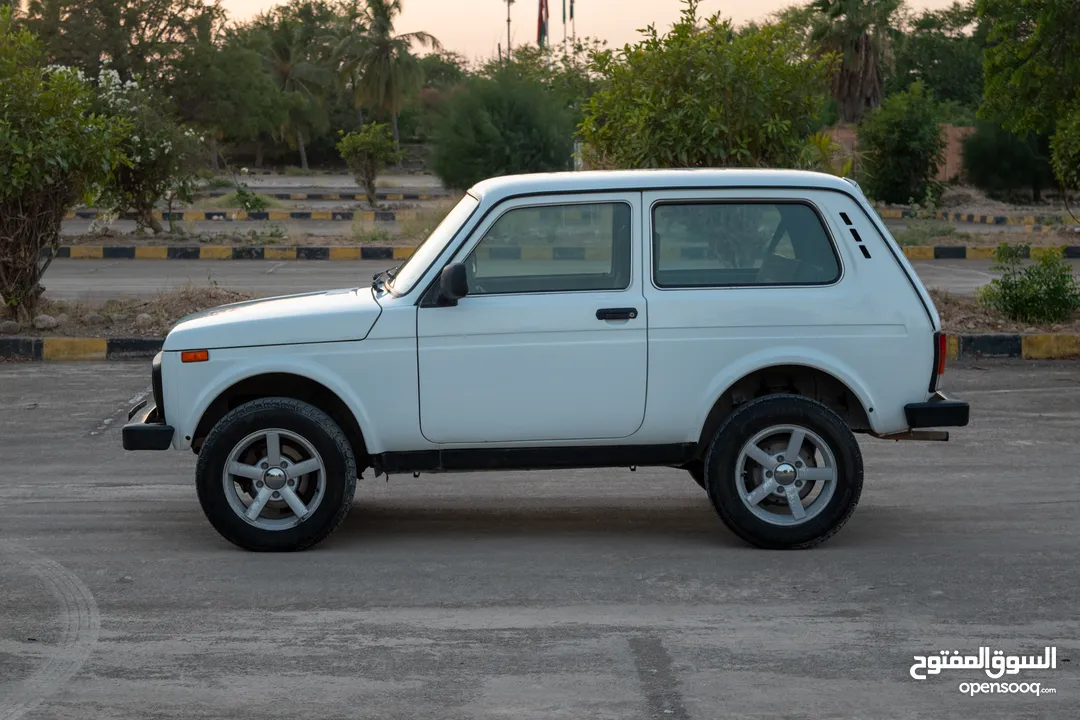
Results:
<point x="497" y="188"/>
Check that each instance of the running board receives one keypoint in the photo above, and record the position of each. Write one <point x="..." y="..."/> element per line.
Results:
<point x="932" y="435"/>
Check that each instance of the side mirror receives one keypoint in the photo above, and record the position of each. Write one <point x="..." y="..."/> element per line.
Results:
<point x="453" y="283"/>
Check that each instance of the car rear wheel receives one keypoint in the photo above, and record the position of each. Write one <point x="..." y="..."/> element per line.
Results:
<point x="784" y="472"/>
<point x="276" y="474"/>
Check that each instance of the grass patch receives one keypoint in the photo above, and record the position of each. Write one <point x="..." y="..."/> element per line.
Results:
<point x="232" y="200"/>
<point x="929" y="232"/>
<point x="364" y="232"/>
<point x="426" y="218"/>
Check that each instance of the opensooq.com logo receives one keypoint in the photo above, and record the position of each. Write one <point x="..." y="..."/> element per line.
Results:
<point x="995" y="664"/>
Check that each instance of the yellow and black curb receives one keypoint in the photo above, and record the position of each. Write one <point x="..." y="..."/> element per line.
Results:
<point x="1025" y="221"/>
<point x="377" y="216"/>
<point x="360" y="197"/>
<point x="1050" y="346"/>
<point x="385" y="252"/>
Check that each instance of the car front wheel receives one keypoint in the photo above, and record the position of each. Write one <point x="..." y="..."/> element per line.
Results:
<point x="276" y="474"/>
<point x="784" y="472"/>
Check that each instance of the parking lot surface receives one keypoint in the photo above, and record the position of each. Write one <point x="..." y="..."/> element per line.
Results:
<point x="590" y="594"/>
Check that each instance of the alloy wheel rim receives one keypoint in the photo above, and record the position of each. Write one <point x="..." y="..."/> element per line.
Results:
<point x="790" y="466"/>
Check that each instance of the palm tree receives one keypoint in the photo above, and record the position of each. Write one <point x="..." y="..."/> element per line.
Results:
<point x="387" y="71"/>
<point x="290" y="55"/>
<point x="858" y="31"/>
<point x="346" y="43"/>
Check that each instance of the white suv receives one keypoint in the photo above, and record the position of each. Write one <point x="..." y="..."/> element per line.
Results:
<point x="741" y="325"/>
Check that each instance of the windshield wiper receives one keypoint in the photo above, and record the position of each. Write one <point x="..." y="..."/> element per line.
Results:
<point x="379" y="280"/>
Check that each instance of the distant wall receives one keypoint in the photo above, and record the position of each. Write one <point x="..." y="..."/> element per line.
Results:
<point x="952" y="159"/>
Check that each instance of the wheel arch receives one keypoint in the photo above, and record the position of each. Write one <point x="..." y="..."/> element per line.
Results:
<point x="283" y="384"/>
<point x="834" y="387"/>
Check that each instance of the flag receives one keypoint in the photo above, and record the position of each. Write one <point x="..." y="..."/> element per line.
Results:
<point x="571" y="10"/>
<point x="563" y="12"/>
<point x="542" y="24"/>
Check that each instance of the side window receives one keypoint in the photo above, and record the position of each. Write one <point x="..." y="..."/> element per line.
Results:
<point x="554" y="248"/>
<point x="724" y="244"/>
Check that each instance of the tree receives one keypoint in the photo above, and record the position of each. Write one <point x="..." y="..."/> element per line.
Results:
<point x="220" y="86"/>
<point x="389" y="74"/>
<point x="705" y="96"/>
<point x="902" y="144"/>
<point x="54" y="151"/>
<point x="163" y="158"/>
<point x="859" y="32"/>
<point x="288" y="38"/>
<point x="134" y="37"/>
<point x="944" y="49"/>
<point x="367" y="152"/>
<point x="443" y="69"/>
<point x="997" y="160"/>
<point x="500" y="126"/>
<point x="1032" y="68"/>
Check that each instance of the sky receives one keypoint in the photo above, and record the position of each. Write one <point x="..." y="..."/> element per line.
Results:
<point x="474" y="28"/>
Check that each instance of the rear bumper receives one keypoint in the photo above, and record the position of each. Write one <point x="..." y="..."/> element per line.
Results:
<point x="939" y="411"/>
<point x="146" y="429"/>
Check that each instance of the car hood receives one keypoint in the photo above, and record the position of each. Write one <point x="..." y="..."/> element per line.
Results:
<point x="325" y="316"/>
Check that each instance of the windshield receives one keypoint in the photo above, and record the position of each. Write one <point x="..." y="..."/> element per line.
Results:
<point x="424" y="255"/>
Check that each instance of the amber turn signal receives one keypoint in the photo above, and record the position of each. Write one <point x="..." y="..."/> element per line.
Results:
<point x="195" y="356"/>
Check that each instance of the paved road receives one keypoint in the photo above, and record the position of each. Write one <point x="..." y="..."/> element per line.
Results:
<point x="96" y="279"/>
<point x="598" y="594"/>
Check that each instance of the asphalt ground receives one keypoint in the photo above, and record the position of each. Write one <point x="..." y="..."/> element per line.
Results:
<point x="588" y="594"/>
<point x="98" y="279"/>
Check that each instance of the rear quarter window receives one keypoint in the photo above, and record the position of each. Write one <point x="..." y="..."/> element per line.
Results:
<point x="741" y="244"/>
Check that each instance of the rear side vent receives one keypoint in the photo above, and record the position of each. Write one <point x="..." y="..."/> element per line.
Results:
<point x="855" y="234"/>
<point x="845" y="218"/>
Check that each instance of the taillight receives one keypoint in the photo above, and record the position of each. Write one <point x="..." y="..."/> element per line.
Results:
<point x="941" y="349"/>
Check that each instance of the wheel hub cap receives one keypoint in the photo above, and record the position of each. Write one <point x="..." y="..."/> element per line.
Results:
<point x="785" y="474"/>
<point x="274" y="478"/>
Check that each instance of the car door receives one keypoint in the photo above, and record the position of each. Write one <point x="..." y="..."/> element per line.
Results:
<point x="550" y="343"/>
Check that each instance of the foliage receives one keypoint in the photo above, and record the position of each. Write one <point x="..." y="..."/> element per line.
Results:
<point x="705" y="96"/>
<point x="1043" y="292"/>
<point x="499" y="126"/>
<point x="858" y="31"/>
<point x="902" y="144"/>
<point x="367" y="152"/>
<point x="944" y="49"/>
<point x="997" y="160"/>
<point x="824" y="154"/>
<point x="1032" y="65"/>
<point x="163" y="157"/>
<point x="133" y="37"/>
<point x="250" y="201"/>
<point x="443" y="69"/>
<point x="1066" y="150"/>
<point x="54" y="151"/>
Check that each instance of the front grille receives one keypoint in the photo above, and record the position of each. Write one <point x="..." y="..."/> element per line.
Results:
<point x="155" y="381"/>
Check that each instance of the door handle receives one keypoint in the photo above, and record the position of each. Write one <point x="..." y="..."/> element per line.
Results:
<point x="616" y="313"/>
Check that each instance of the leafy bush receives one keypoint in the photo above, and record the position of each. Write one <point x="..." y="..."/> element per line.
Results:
<point x="249" y="201"/>
<point x="902" y="144"/>
<point x="163" y="156"/>
<point x="501" y="126"/>
<point x="706" y="96"/>
<point x="1044" y="292"/>
<point x="998" y="161"/>
<point x="824" y="154"/>
<point x="54" y="151"/>
<point x="367" y="151"/>
<point x="1066" y="150"/>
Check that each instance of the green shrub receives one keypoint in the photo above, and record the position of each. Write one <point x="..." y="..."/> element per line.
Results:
<point x="706" y="95"/>
<point x="1066" y="150"/>
<point x="902" y="145"/>
<point x="1043" y="292"/>
<point x="54" y="152"/>
<point x="998" y="161"/>
<point x="367" y="152"/>
<point x="501" y="126"/>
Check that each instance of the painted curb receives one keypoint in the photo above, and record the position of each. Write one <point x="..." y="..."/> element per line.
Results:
<point x="385" y="252"/>
<point x="377" y="216"/>
<point x="1048" y="346"/>
<point x="971" y="219"/>
<point x="360" y="197"/>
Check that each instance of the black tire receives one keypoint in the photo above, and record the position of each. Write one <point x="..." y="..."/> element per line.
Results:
<point x="313" y="425"/>
<point x="760" y="414"/>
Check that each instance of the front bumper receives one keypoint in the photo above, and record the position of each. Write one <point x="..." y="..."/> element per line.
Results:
<point x="939" y="411"/>
<point x="146" y="429"/>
